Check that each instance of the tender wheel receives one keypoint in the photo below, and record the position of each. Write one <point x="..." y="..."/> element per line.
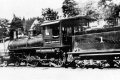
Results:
<point x="103" y="65"/>
<point x="26" y="64"/>
<point x="117" y="63"/>
<point x="17" y="64"/>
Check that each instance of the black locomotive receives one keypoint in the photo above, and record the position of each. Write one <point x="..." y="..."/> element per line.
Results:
<point x="68" y="42"/>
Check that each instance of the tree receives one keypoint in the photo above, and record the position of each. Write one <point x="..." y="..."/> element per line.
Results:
<point x="29" y="22"/>
<point x="111" y="11"/>
<point x="116" y="11"/>
<point x="49" y="14"/>
<point x="102" y="9"/>
<point x="16" y="23"/>
<point x="90" y="9"/>
<point x="104" y="3"/>
<point x="70" y="8"/>
<point x="3" y="28"/>
<point x="4" y="23"/>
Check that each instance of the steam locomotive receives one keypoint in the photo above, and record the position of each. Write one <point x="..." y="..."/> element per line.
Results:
<point x="68" y="42"/>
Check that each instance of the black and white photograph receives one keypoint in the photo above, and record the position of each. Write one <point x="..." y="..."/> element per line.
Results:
<point x="59" y="39"/>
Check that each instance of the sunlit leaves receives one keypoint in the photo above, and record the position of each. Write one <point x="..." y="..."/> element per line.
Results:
<point x="69" y="8"/>
<point x="49" y="14"/>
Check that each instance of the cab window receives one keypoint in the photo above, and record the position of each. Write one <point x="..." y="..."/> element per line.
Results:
<point x="55" y="31"/>
<point x="47" y="31"/>
<point x="52" y="30"/>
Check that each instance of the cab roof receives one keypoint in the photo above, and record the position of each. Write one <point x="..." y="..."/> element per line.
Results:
<point x="50" y="22"/>
<point x="45" y="23"/>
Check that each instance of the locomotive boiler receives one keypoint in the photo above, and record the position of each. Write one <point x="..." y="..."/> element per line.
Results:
<point x="26" y="42"/>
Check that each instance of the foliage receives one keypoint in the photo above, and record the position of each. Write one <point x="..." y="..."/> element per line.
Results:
<point x="3" y="28"/>
<point x="3" y="23"/>
<point x="90" y="9"/>
<point x="49" y="14"/>
<point x="102" y="9"/>
<point x="115" y="13"/>
<point x="69" y="8"/>
<point x="37" y="26"/>
<point x="104" y="3"/>
<point x="16" y="23"/>
<point x="29" y="23"/>
<point x="110" y="9"/>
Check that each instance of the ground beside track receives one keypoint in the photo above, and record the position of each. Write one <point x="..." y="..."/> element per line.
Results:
<point x="51" y="73"/>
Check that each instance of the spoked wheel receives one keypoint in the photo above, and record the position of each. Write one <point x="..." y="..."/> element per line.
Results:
<point x="57" y="63"/>
<point x="26" y="64"/>
<point x="79" y="64"/>
<point x="117" y="63"/>
<point x="82" y="66"/>
<point x="5" y="64"/>
<point x="34" y="64"/>
<point x="17" y="64"/>
<point x="103" y="65"/>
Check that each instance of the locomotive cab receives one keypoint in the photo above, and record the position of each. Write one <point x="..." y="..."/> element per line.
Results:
<point x="60" y="33"/>
<point x="51" y="34"/>
<point x="55" y="35"/>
